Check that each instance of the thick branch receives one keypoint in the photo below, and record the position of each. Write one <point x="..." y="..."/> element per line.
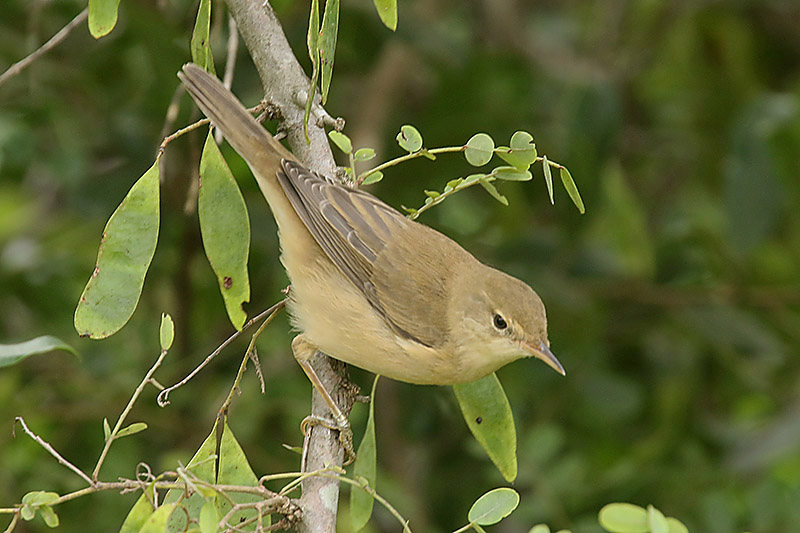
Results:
<point x="283" y="81"/>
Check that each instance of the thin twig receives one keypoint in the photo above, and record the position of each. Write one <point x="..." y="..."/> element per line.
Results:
<point x="52" y="451"/>
<point x="54" y="41"/>
<point x="162" y="396"/>
<point x="14" y="521"/>
<point x="124" y="414"/>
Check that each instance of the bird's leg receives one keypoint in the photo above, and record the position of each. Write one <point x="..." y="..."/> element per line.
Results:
<point x="303" y="351"/>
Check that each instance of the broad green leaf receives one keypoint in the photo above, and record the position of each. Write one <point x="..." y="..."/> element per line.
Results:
<point x="512" y="174"/>
<point x="517" y="160"/>
<point x="676" y="526"/>
<point x="572" y="189"/>
<point x="491" y="189"/>
<point x="327" y="45"/>
<point x="166" y="331"/>
<point x="409" y="139"/>
<point x="373" y="177"/>
<point x="656" y="520"/>
<point x="11" y="354"/>
<point x="39" y="497"/>
<point x="133" y="429"/>
<point x="365" y="467"/>
<point x="37" y="501"/>
<point x="126" y="250"/>
<point x="200" y="44"/>
<point x="624" y="518"/>
<point x="488" y="414"/>
<point x="521" y="151"/>
<point x="225" y="228"/>
<point x="364" y="154"/>
<point x="493" y="506"/>
<point x="102" y="17"/>
<point x="548" y="178"/>
<point x="209" y="518"/>
<point x="234" y="469"/>
<point x="341" y="141"/>
<point x="387" y="11"/>
<point x="479" y="149"/>
<point x="157" y="522"/>
<point x="49" y="516"/>
<point x="140" y="512"/>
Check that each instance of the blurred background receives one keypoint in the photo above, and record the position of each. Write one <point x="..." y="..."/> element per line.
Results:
<point x="674" y="302"/>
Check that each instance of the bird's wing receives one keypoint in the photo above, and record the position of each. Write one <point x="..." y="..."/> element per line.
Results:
<point x="353" y="228"/>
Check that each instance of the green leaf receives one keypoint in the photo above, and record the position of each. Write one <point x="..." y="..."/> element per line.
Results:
<point x="201" y="44"/>
<point x="432" y="194"/>
<point x="11" y="354"/>
<point x="387" y="11"/>
<point x="365" y="467"/>
<point x="676" y="526"/>
<point x="39" y="497"/>
<point x="493" y="506"/>
<point x="373" y="177"/>
<point x="624" y="518"/>
<point x="572" y="189"/>
<point x="656" y="520"/>
<point x="491" y="189"/>
<point x="327" y="45"/>
<point x="209" y="518"/>
<point x="540" y="528"/>
<point x="50" y="517"/>
<point x="102" y="17"/>
<point x="39" y="500"/>
<point x="409" y="139"/>
<point x="488" y="414"/>
<point x="512" y="174"/>
<point x="140" y="512"/>
<point x="106" y="429"/>
<point x="157" y="522"/>
<point x="479" y="149"/>
<point x="134" y="428"/>
<point x="341" y="141"/>
<point x="234" y="469"/>
<point x="166" y="331"/>
<point x="225" y="228"/>
<point x="364" y="154"/>
<point x="126" y="250"/>
<point x="312" y="40"/>
<point x="521" y="152"/>
<point x="548" y="178"/>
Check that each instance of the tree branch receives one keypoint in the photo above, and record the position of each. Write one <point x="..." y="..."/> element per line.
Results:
<point x="283" y="79"/>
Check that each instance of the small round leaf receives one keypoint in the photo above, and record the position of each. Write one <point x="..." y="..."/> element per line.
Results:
<point x="409" y="139"/>
<point x="341" y="140"/>
<point x="364" y="154"/>
<point x="624" y="518"/>
<point x="479" y="149"/>
<point x="493" y="506"/>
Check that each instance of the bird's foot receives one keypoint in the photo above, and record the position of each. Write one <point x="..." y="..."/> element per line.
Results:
<point x="340" y="425"/>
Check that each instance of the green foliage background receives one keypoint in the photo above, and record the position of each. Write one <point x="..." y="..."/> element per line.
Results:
<point x="674" y="303"/>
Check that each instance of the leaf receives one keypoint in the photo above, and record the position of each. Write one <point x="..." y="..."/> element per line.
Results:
<point x="373" y="177"/>
<point x="50" y="517"/>
<point x="488" y="414"/>
<point x="327" y="45"/>
<point x="540" y="528"/>
<point x="38" y="501"/>
<point x="623" y="518"/>
<point x="106" y="429"/>
<point x="491" y="189"/>
<point x="365" y="466"/>
<point x="126" y="250"/>
<point x="102" y="17"/>
<point x="656" y="520"/>
<point x="387" y="11"/>
<point x="409" y="139"/>
<point x="676" y="526"/>
<point x="512" y="174"/>
<point x="479" y="149"/>
<point x="493" y="506"/>
<point x="341" y="141"/>
<point x="234" y="469"/>
<point x="522" y="143"/>
<point x="166" y="331"/>
<point x="157" y="522"/>
<point x="364" y="154"/>
<point x="140" y="512"/>
<point x="225" y="228"/>
<point x="11" y="354"/>
<point x="209" y="518"/>
<point x="201" y="44"/>
<point x="133" y="429"/>
<point x="548" y="178"/>
<point x="312" y="40"/>
<point x="432" y="194"/>
<point x="572" y="189"/>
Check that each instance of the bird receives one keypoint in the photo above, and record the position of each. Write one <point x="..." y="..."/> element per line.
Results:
<point x="369" y="286"/>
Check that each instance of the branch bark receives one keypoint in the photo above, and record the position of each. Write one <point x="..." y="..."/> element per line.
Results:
<point x="284" y="80"/>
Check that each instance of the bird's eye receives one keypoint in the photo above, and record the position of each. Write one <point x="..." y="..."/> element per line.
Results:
<point x="499" y="322"/>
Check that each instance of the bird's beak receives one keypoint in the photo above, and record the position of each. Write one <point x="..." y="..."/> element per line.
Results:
<point x="542" y="351"/>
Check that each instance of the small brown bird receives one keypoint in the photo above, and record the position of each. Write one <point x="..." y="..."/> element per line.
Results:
<point x="371" y="287"/>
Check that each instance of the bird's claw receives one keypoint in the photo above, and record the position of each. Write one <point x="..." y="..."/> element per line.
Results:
<point x="342" y="426"/>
